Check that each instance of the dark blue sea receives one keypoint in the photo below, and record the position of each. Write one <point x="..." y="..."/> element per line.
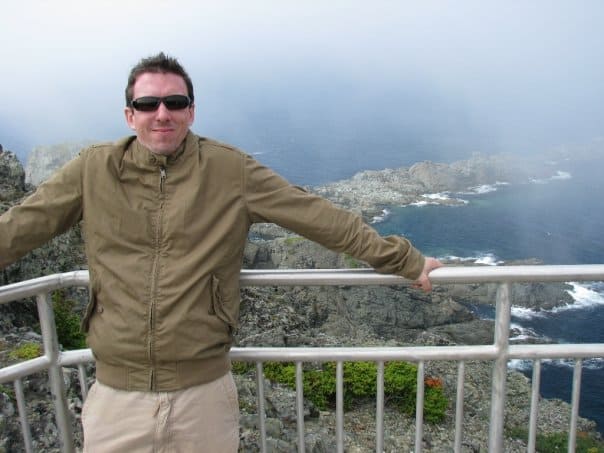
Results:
<point x="558" y="221"/>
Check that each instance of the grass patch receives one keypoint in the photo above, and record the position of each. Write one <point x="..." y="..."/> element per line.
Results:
<point x="67" y="321"/>
<point x="546" y="443"/>
<point x="360" y="385"/>
<point x="351" y="262"/>
<point x="293" y="240"/>
<point x="241" y="368"/>
<point x="7" y="391"/>
<point x="26" y="351"/>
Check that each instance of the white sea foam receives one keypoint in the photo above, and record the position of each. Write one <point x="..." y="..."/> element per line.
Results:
<point x="527" y="313"/>
<point x="488" y="259"/>
<point x="437" y="199"/>
<point x="559" y="175"/>
<point x="584" y="296"/>
<point x="437" y="196"/>
<point x="422" y="203"/>
<point x="523" y="333"/>
<point x="382" y="217"/>
<point x="483" y="188"/>
<point x="520" y="364"/>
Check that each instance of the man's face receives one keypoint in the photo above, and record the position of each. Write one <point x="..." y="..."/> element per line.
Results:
<point x="162" y="130"/>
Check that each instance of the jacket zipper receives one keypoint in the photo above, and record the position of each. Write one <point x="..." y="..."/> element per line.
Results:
<point x="155" y="276"/>
<point x="162" y="178"/>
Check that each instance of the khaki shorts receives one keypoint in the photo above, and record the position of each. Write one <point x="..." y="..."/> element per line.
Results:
<point x="204" y="418"/>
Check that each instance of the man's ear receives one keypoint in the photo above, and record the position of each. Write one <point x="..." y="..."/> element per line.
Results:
<point x="129" y="115"/>
<point x="192" y="114"/>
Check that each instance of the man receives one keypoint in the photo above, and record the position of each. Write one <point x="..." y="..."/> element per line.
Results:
<point x="165" y="218"/>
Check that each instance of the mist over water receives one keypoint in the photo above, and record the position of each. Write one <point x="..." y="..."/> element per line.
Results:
<point x="558" y="221"/>
<point x="339" y="80"/>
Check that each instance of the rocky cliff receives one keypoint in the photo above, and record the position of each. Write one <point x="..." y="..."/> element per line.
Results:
<point x="44" y="160"/>
<point x="12" y="180"/>
<point x="370" y="191"/>
<point x="313" y="316"/>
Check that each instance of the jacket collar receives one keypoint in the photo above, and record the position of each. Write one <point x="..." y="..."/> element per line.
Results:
<point x="144" y="157"/>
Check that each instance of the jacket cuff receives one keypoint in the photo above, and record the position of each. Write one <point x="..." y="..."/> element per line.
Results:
<point x="414" y="264"/>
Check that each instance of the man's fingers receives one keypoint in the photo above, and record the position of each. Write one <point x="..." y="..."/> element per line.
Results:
<point x="423" y="282"/>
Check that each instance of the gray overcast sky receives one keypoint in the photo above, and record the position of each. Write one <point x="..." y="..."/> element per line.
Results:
<point x="511" y="69"/>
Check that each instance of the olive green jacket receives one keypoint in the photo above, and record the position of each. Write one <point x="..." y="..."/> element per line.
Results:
<point x="164" y="238"/>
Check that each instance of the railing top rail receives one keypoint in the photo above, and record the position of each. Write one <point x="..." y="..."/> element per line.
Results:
<point x="318" y="277"/>
<point x="28" y="288"/>
<point x="444" y="275"/>
<point x="347" y="354"/>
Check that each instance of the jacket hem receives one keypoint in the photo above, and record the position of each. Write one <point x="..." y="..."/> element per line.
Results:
<point x="165" y="377"/>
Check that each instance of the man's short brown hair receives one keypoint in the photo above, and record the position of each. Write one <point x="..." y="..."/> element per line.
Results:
<point x="159" y="64"/>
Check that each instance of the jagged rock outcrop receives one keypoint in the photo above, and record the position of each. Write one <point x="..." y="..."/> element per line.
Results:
<point x="44" y="160"/>
<point x="369" y="191"/>
<point x="12" y="180"/>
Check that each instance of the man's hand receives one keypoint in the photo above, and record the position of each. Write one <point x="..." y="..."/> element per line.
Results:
<point x="423" y="281"/>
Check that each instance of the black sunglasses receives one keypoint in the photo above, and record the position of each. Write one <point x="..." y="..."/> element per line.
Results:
<point x="151" y="103"/>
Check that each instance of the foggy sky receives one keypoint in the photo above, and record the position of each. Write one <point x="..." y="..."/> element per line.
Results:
<point x="487" y="76"/>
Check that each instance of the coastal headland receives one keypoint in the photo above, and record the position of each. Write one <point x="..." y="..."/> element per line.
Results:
<point x="311" y="316"/>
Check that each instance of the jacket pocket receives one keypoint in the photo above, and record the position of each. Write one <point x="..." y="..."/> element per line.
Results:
<point x="221" y="306"/>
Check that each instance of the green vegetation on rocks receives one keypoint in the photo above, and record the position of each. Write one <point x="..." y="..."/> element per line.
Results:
<point x="546" y="443"/>
<point x="360" y="384"/>
<point x="67" y="322"/>
<point x="26" y="351"/>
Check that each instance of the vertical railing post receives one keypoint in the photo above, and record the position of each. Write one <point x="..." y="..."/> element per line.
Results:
<point x="502" y="333"/>
<point x="461" y="368"/>
<point x="55" y="372"/>
<point x="379" y="410"/>
<point x="300" y="406"/>
<point x="25" y="428"/>
<point x="340" y="406"/>
<point x="574" y="416"/>
<point x="419" y="408"/>
<point x="535" y="385"/>
<point x="260" y="405"/>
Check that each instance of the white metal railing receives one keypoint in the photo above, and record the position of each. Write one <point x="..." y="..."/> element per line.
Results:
<point x="499" y="351"/>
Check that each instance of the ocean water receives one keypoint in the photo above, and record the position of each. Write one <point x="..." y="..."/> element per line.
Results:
<point x="559" y="221"/>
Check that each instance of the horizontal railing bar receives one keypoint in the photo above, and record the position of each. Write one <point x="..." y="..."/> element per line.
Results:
<point x="75" y="357"/>
<point x="556" y="351"/>
<point x="366" y="354"/>
<point x="309" y="277"/>
<point x="501" y="352"/>
<point x="22" y="369"/>
<point x="513" y="274"/>
<point x="443" y="275"/>
<point x="33" y="287"/>
<point x="369" y="354"/>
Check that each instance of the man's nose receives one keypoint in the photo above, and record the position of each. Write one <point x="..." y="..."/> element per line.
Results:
<point x="162" y="111"/>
